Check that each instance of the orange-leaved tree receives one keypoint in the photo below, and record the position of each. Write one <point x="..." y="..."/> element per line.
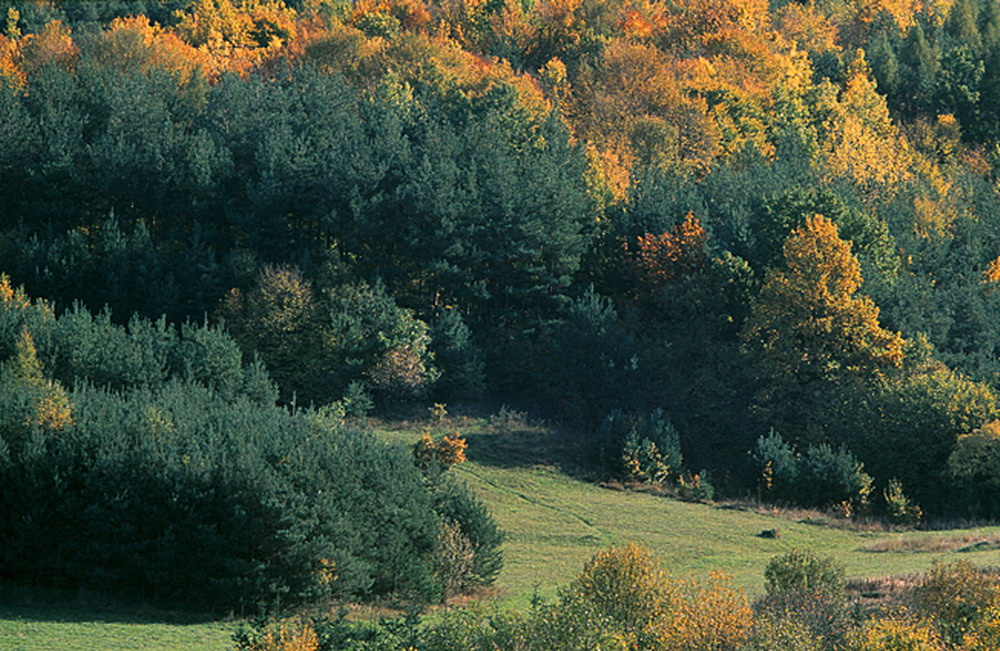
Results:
<point x="655" y="260"/>
<point x="811" y="335"/>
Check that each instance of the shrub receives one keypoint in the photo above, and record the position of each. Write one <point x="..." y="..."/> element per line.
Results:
<point x="456" y="504"/>
<point x="782" y="631"/>
<point x="804" y="572"/>
<point x="977" y="455"/>
<point x="898" y="506"/>
<point x="649" y="444"/>
<point x="570" y="624"/>
<point x="293" y="634"/>
<point x="821" y="477"/>
<point x="642" y="461"/>
<point x="174" y="494"/>
<point x="776" y="466"/>
<point x="629" y="587"/>
<point x="894" y="633"/>
<point x="445" y="452"/>
<point x="650" y="610"/>
<point x="984" y="635"/>
<point x="453" y="562"/>
<point x="375" y="340"/>
<point x="318" y="344"/>
<point x="712" y="614"/>
<point x="820" y="615"/>
<point x="831" y="476"/>
<point x="696" y="487"/>
<point x="481" y="629"/>
<point x="974" y="463"/>
<point x="958" y="596"/>
<point x="508" y="420"/>
<point x="383" y="634"/>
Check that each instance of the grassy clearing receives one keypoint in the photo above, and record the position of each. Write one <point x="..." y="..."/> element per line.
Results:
<point x="72" y="628"/>
<point x="555" y="523"/>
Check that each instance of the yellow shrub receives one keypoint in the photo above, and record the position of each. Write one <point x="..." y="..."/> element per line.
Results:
<point x="893" y="633"/>
<point x="627" y="585"/>
<point x="654" y="611"/>
<point x="711" y="615"/>
<point x="985" y="635"/>
<point x="294" y="634"/>
<point x="958" y="596"/>
<point x="447" y="451"/>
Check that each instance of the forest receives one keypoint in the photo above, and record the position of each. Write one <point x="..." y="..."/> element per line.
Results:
<point x="729" y="247"/>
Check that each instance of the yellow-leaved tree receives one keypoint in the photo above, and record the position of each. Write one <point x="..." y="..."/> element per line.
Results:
<point x="31" y="400"/>
<point x="861" y="142"/>
<point x="646" y="608"/>
<point x="811" y="335"/>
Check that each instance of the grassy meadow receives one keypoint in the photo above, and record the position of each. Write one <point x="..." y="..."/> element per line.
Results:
<point x="84" y="628"/>
<point x="554" y="524"/>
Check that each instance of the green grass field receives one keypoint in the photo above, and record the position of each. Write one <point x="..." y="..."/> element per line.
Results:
<point x="554" y="523"/>
<point x="85" y="628"/>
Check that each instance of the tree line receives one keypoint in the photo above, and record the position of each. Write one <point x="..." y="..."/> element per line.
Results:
<point x="753" y="239"/>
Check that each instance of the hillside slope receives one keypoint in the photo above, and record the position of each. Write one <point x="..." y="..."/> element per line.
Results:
<point x="555" y="523"/>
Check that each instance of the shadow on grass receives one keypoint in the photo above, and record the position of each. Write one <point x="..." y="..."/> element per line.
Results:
<point x="527" y="447"/>
<point x="28" y="603"/>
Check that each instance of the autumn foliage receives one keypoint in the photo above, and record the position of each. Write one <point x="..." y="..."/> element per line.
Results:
<point x="658" y="259"/>
<point x="446" y="451"/>
<point x="739" y="216"/>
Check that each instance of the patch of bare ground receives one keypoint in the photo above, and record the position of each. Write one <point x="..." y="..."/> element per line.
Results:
<point x="823" y="518"/>
<point x="883" y="592"/>
<point x="895" y="593"/>
<point x="934" y="544"/>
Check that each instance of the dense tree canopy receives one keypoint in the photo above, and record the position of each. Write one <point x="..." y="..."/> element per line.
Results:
<point x="720" y="216"/>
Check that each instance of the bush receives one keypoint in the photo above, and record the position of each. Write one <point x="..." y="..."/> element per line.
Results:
<point x="712" y="614"/>
<point x="696" y="487"/>
<point x="806" y="573"/>
<point x="974" y="463"/>
<point x="651" y="451"/>
<point x="318" y="346"/>
<point x="821" y="477"/>
<point x="481" y="629"/>
<point x="782" y="631"/>
<point x="375" y="340"/>
<point x="194" y="491"/>
<point x="894" y="633"/>
<point x="650" y="610"/>
<point x="831" y="477"/>
<point x="776" y="467"/>
<point x="384" y="634"/>
<point x="898" y="507"/>
<point x="293" y="634"/>
<point x="453" y="561"/>
<point x="958" y="596"/>
<point x="168" y="473"/>
<point x="457" y="505"/>
<point x="821" y="616"/>
<point x="629" y="587"/>
<point x="443" y="453"/>
<point x="984" y="635"/>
